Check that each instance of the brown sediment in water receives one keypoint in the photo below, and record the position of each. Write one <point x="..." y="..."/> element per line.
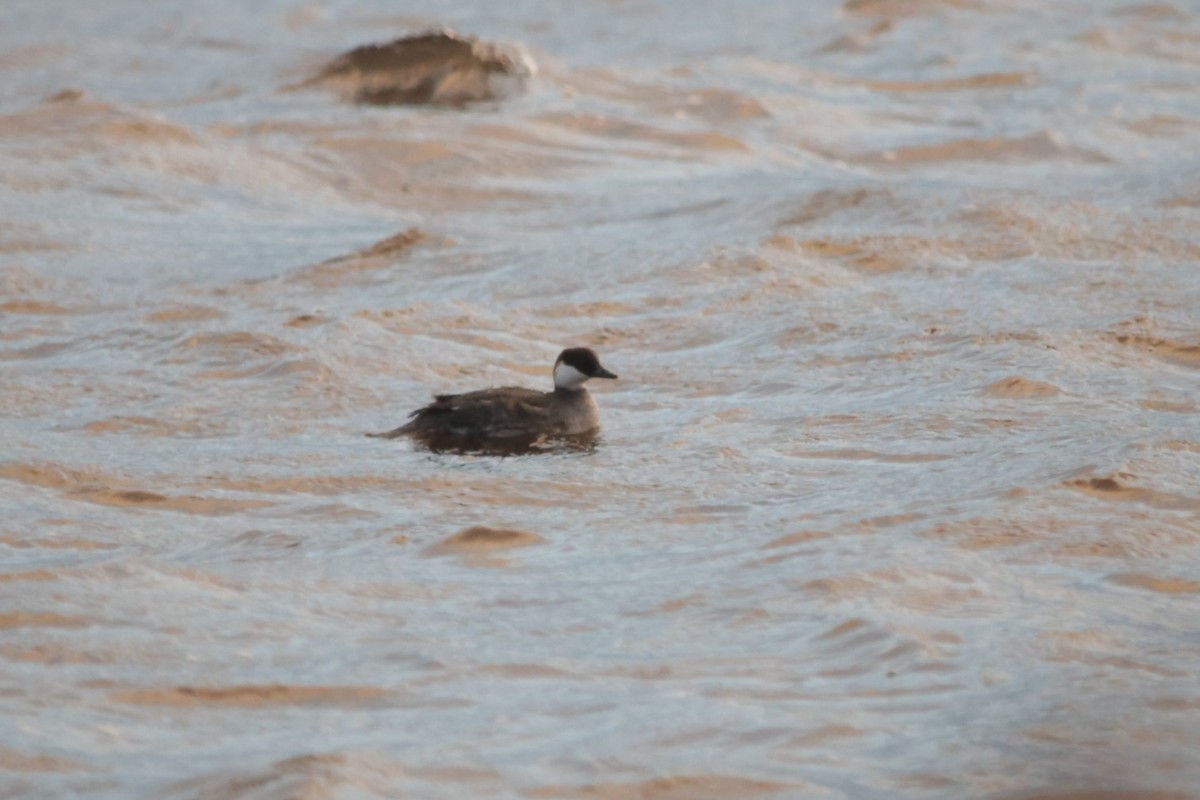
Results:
<point x="1162" y="125"/>
<point x="185" y="313"/>
<point x="823" y="734"/>
<point x="482" y="539"/>
<point x="860" y="41"/>
<point x="435" y="68"/>
<point x="871" y="455"/>
<point x="236" y="346"/>
<point x="999" y="232"/>
<point x="720" y="105"/>
<point x="628" y="130"/>
<point x="907" y="8"/>
<point x="1116" y="488"/>
<point x="96" y="487"/>
<point x="878" y="254"/>
<point x="1079" y="232"/>
<point x="799" y="537"/>
<point x="253" y="696"/>
<point x="422" y="174"/>
<point x="1169" y="406"/>
<point x="148" y="426"/>
<point x="238" y="355"/>
<point x="1039" y="146"/>
<point x="87" y="126"/>
<point x="1154" y="11"/>
<point x="1184" y="354"/>
<point x="1158" y="584"/>
<point x="909" y="588"/>
<point x="1105" y="794"/>
<point x="325" y="775"/>
<point x="182" y="503"/>
<point x="991" y="80"/>
<point x="827" y="202"/>
<point x="55" y="543"/>
<point x="591" y="309"/>
<point x="41" y="619"/>
<point x="1017" y="387"/>
<point x="1182" y="201"/>
<point x="28" y="575"/>
<point x="714" y="104"/>
<point x="1058" y="537"/>
<point x="32" y="307"/>
<point x="18" y="761"/>
<point x="306" y="321"/>
<point x="701" y="786"/>
<point x="526" y="671"/>
<point x="482" y="490"/>
<point x="57" y="654"/>
<point x="382" y="254"/>
<point x="29" y="237"/>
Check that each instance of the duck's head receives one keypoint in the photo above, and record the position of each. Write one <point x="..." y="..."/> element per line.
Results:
<point x="576" y="366"/>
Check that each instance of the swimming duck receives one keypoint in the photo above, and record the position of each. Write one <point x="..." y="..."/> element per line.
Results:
<point x="511" y="416"/>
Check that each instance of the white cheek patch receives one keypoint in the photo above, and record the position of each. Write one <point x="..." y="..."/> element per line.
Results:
<point x="567" y="377"/>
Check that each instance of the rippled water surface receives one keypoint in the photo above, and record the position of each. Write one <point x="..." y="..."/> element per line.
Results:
<point x="898" y="495"/>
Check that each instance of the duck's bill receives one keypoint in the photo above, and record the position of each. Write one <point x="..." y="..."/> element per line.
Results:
<point x="603" y="373"/>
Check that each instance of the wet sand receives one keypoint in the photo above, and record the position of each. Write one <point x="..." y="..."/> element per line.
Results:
<point x="898" y="495"/>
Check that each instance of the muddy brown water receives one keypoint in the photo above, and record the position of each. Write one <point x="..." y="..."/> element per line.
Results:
<point x="898" y="495"/>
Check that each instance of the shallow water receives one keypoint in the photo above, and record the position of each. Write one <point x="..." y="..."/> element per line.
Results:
<point x="898" y="495"/>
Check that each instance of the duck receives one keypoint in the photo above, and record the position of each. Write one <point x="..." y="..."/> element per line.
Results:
<point x="512" y="418"/>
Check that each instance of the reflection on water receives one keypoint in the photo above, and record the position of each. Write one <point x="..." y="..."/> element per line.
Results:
<point x="524" y="445"/>
<point x="898" y="497"/>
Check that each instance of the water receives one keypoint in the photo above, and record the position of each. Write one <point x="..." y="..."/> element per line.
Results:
<point x="898" y="494"/>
